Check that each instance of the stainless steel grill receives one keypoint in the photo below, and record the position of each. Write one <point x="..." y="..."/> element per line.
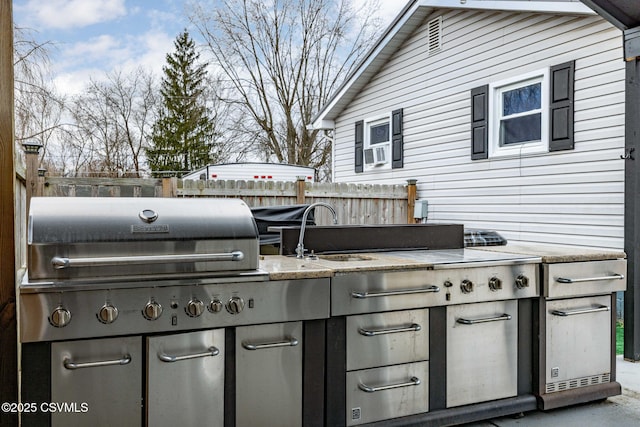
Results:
<point x="94" y="238"/>
<point x="147" y="292"/>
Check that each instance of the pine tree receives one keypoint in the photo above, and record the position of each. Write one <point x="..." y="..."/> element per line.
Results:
<point x="183" y="135"/>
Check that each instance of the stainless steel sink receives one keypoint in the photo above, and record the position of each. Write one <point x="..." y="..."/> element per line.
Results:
<point x="346" y="257"/>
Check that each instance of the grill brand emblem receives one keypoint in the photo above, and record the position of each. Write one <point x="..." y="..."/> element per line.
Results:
<point x="158" y="228"/>
<point x="149" y="216"/>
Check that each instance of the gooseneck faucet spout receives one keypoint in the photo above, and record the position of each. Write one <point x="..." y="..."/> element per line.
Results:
<point x="300" y="248"/>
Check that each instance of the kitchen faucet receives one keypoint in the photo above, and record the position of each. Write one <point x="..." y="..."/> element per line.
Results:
<point x="300" y="247"/>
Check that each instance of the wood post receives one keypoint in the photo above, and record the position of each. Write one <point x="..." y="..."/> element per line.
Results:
<point x="31" y="151"/>
<point x="170" y="187"/>
<point x="411" y="199"/>
<point x="8" y="325"/>
<point x="41" y="180"/>
<point x="300" y="190"/>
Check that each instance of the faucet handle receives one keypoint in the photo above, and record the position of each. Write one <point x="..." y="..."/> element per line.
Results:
<point x="300" y="250"/>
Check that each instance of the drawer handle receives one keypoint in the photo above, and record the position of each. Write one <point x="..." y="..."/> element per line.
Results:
<point x="565" y="313"/>
<point x="361" y="295"/>
<point x="69" y="364"/>
<point x="373" y="332"/>
<point x="484" y="319"/>
<point x="211" y="351"/>
<point x="368" y="389"/>
<point x="614" y="276"/>
<point x="291" y="342"/>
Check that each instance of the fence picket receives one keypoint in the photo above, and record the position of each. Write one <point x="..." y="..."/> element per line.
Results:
<point x="354" y="203"/>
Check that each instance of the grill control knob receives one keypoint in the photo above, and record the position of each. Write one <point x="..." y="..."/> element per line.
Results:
<point x="495" y="284"/>
<point x="194" y="308"/>
<point x="215" y="306"/>
<point x="522" y="281"/>
<point x="108" y="314"/>
<point x="152" y="310"/>
<point x="60" y="317"/>
<point x="466" y="286"/>
<point x="235" y="305"/>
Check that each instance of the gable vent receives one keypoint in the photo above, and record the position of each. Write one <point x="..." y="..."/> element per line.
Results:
<point x="434" y="28"/>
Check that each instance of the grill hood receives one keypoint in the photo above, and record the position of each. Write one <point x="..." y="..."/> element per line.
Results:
<point x="108" y="237"/>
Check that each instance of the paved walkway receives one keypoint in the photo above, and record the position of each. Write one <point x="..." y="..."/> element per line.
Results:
<point x="618" y="411"/>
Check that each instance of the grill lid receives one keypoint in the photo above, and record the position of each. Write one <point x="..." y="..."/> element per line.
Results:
<point x="97" y="237"/>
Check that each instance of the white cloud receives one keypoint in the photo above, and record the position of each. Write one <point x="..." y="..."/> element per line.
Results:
<point x="75" y="82"/>
<point x="66" y="14"/>
<point x="96" y="57"/>
<point x="149" y="51"/>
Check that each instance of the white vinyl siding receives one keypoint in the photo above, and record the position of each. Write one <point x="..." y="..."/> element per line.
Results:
<point x="568" y="197"/>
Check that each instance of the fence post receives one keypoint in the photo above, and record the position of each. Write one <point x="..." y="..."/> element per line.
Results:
<point x="411" y="200"/>
<point x="40" y="187"/>
<point x="300" y="189"/>
<point x="8" y="327"/>
<point x="170" y="187"/>
<point x="31" y="150"/>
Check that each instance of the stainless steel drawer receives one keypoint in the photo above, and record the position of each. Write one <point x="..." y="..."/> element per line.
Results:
<point x="387" y="338"/>
<point x="578" y="334"/>
<point x="482" y="352"/>
<point x="584" y="278"/>
<point x="389" y="392"/>
<point x="355" y="293"/>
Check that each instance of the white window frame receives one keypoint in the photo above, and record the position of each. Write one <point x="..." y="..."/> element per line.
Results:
<point x="495" y="115"/>
<point x="368" y="124"/>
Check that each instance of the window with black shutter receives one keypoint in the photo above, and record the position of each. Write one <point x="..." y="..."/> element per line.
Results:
<point x="519" y="117"/>
<point x="379" y="143"/>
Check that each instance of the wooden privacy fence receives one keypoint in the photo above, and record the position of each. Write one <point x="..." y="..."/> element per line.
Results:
<point x="354" y="203"/>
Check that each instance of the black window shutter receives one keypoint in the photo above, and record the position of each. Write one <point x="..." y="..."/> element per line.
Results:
<point x="561" y="107"/>
<point x="359" y="145"/>
<point x="397" y="141"/>
<point x="480" y="123"/>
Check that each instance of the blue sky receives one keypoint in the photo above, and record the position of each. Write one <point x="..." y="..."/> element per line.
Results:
<point x="93" y="37"/>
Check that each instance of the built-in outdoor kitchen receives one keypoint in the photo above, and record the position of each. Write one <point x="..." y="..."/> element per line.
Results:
<point x="164" y="312"/>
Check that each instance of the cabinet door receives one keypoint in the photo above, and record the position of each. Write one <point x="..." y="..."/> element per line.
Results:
<point x="482" y="352"/>
<point x="269" y="375"/>
<point x="185" y="379"/>
<point x="100" y="379"/>
<point x="578" y="334"/>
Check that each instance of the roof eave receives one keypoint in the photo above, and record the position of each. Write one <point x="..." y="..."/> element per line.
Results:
<point x="410" y="18"/>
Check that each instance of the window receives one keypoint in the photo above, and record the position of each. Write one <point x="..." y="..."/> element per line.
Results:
<point x="529" y="114"/>
<point x="377" y="143"/>
<point x="519" y="110"/>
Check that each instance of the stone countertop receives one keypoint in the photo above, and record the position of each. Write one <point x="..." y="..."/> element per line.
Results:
<point x="552" y="254"/>
<point x="282" y="267"/>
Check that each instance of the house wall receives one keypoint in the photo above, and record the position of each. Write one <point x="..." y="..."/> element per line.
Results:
<point x="569" y="197"/>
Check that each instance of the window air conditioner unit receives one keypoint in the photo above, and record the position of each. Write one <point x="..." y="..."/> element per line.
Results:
<point x="375" y="156"/>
